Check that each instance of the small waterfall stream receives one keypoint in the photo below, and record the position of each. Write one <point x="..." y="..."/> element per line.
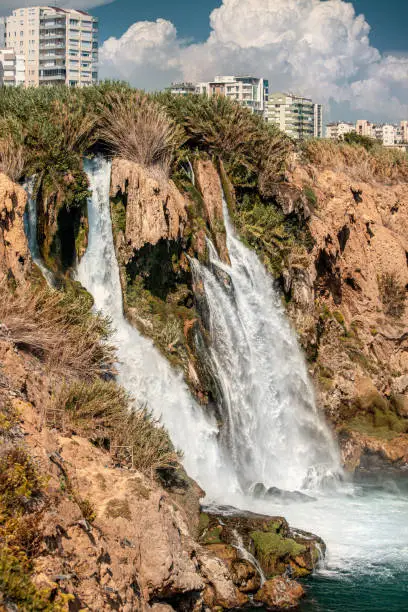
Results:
<point x="30" y="225"/>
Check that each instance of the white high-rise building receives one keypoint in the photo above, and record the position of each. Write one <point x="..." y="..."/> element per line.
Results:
<point x="60" y="46"/>
<point x="248" y="91"/>
<point x="12" y="68"/>
<point x="297" y="116"/>
<point x="336" y="131"/>
<point x="2" y="32"/>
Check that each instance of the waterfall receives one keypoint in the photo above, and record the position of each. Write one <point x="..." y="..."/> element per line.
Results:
<point x="30" y="226"/>
<point x="271" y="426"/>
<point x="146" y="375"/>
<point x="245" y="554"/>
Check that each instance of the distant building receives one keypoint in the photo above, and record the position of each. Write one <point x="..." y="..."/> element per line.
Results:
<point x="12" y="68"/>
<point x="299" y="117"/>
<point x="251" y="92"/>
<point x="2" y="32"/>
<point x="182" y="88"/>
<point x="336" y="131"/>
<point x="365" y="128"/>
<point x="404" y="131"/>
<point x="60" y="46"/>
<point x="390" y="135"/>
<point x="318" y="121"/>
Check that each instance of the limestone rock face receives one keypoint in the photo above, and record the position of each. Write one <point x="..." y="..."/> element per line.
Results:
<point x="358" y="349"/>
<point x="280" y="593"/>
<point x="209" y="184"/>
<point x="155" y="209"/>
<point x="14" y="253"/>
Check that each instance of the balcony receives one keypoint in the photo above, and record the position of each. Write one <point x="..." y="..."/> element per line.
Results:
<point x="56" y="34"/>
<point x="52" y="45"/>
<point x="52" y="24"/>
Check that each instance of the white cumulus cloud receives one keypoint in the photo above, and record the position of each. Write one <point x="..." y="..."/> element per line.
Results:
<point x="320" y="48"/>
<point x="7" y="6"/>
<point x="147" y="55"/>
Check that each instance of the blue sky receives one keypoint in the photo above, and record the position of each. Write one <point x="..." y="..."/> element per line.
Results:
<point x="388" y="19"/>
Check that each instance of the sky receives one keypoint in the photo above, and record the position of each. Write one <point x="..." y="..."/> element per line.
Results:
<point x="351" y="56"/>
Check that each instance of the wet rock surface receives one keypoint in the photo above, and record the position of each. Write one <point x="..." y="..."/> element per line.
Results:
<point x="280" y="593"/>
<point x="275" y="546"/>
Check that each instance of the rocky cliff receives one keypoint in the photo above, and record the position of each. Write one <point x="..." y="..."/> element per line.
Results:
<point x="349" y="306"/>
<point x="14" y="255"/>
<point x="338" y="246"/>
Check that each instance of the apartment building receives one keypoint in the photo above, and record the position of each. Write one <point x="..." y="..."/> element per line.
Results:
<point x="60" y="46"/>
<point x="336" y="131"/>
<point x="403" y="132"/>
<point x="365" y="128"/>
<point x="12" y="68"/>
<point x="390" y="135"/>
<point x="2" y="32"/>
<point x="251" y="92"/>
<point x="299" y="117"/>
<point x="182" y="89"/>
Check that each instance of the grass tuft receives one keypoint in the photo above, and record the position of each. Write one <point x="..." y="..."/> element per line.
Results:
<point x="135" y="127"/>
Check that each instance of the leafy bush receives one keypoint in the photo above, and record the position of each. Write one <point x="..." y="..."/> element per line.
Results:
<point x="393" y="294"/>
<point x="357" y="139"/>
<point x="223" y="128"/>
<point x="18" y="589"/>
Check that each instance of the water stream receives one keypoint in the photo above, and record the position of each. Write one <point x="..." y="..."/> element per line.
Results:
<point x="30" y="225"/>
<point x="272" y="433"/>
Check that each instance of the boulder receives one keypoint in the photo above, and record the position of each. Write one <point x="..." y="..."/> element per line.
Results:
<point x="274" y="545"/>
<point x="280" y="593"/>
<point x="209" y="184"/>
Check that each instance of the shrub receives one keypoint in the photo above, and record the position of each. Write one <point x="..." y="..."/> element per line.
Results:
<point x="223" y="128"/>
<point x="57" y="327"/>
<point x="12" y="157"/>
<point x="357" y="139"/>
<point x="103" y="410"/>
<point x="393" y="294"/>
<point x="17" y="587"/>
<point x="376" y="164"/>
<point x="136" y="128"/>
<point x="19" y="480"/>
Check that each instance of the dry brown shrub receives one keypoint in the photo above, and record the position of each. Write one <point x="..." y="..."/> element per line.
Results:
<point x="103" y="410"/>
<point x="12" y="157"/>
<point x="378" y="164"/>
<point x="393" y="294"/>
<point x="56" y="327"/>
<point x="136" y="128"/>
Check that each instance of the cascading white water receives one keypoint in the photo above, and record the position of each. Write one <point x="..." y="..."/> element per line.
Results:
<point x="142" y="370"/>
<point x="30" y="225"/>
<point x="271" y="426"/>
